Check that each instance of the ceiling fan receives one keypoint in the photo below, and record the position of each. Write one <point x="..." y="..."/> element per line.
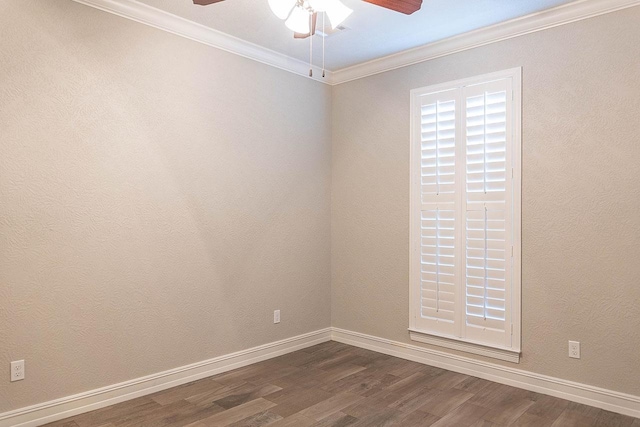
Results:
<point x="301" y="15"/>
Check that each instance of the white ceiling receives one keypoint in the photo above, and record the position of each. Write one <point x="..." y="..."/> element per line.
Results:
<point x="373" y="31"/>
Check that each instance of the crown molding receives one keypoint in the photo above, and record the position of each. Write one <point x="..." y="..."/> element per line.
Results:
<point x="554" y="17"/>
<point x="560" y="15"/>
<point x="168" y="22"/>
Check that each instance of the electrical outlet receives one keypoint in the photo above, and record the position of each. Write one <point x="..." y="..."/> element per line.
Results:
<point x="276" y="316"/>
<point x="574" y="349"/>
<point x="17" y="370"/>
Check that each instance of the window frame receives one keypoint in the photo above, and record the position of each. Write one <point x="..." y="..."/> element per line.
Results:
<point x="454" y="342"/>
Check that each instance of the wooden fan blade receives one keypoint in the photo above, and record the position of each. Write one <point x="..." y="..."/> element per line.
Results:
<point x="314" y="19"/>
<point x="205" y="2"/>
<point x="403" y="6"/>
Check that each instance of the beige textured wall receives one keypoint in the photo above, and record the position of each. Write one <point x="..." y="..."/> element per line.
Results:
<point x="158" y="200"/>
<point x="581" y="196"/>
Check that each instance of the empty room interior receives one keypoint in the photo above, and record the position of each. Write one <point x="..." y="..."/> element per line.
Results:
<point x="294" y="213"/>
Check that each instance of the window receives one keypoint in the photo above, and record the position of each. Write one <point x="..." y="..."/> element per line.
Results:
<point x="465" y="215"/>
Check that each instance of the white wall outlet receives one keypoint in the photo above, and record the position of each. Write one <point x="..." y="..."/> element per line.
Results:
<point x="276" y="316"/>
<point x="574" y="349"/>
<point x="17" y="370"/>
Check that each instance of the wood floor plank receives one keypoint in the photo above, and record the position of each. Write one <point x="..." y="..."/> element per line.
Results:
<point x="530" y="420"/>
<point x="336" y="373"/>
<point x="362" y="408"/>
<point x="418" y="418"/>
<point x="509" y="412"/>
<point x="485" y="423"/>
<point x="246" y="394"/>
<point x="497" y="396"/>
<point x="271" y="373"/>
<point x="408" y="368"/>
<point x="611" y="419"/>
<point x="154" y="416"/>
<point x="250" y="371"/>
<point x="472" y="385"/>
<point x="413" y="400"/>
<point x="444" y="402"/>
<point x="336" y="385"/>
<point x="447" y="380"/>
<point x="548" y="407"/>
<point x="344" y="357"/>
<point x="584" y="410"/>
<point x="106" y="415"/>
<point x="339" y="419"/>
<point x="184" y="391"/>
<point x="573" y="419"/>
<point x="297" y="358"/>
<point x="295" y="420"/>
<point x="365" y="383"/>
<point x="386" y="417"/>
<point x="209" y="397"/>
<point x="406" y="385"/>
<point x="258" y="420"/>
<point x="297" y="399"/>
<point x="465" y="415"/>
<point x="374" y="385"/>
<point x="330" y="406"/>
<point x="310" y="377"/>
<point x="235" y="414"/>
<point x="190" y="415"/>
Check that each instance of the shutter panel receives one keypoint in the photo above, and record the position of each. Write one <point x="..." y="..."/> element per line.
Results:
<point x="437" y="218"/>
<point x="487" y="213"/>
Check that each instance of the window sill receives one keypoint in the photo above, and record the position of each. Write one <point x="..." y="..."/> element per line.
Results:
<point x="507" y="355"/>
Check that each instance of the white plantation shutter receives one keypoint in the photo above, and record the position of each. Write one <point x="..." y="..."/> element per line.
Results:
<point x="487" y="212"/>
<point x="464" y="213"/>
<point x="437" y="188"/>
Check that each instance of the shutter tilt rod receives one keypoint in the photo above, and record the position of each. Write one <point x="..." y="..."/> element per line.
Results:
<point x="486" y="249"/>
<point x="437" y="260"/>
<point x="484" y="145"/>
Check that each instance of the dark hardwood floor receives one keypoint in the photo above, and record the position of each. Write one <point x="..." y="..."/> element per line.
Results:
<point x="333" y="384"/>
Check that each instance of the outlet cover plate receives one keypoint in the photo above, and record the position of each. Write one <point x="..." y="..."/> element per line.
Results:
<point x="17" y="370"/>
<point x="574" y="349"/>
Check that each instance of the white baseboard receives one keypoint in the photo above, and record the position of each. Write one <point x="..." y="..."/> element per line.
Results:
<point x="54" y="410"/>
<point x="58" y="409"/>
<point x="582" y="393"/>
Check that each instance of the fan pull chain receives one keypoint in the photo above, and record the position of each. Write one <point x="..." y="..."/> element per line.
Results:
<point x="310" y="44"/>
<point x="324" y="36"/>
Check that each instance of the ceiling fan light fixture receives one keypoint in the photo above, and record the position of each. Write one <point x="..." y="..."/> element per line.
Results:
<point x="298" y="21"/>
<point x="282" y="8"/>
<point x="337" y="12"/>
